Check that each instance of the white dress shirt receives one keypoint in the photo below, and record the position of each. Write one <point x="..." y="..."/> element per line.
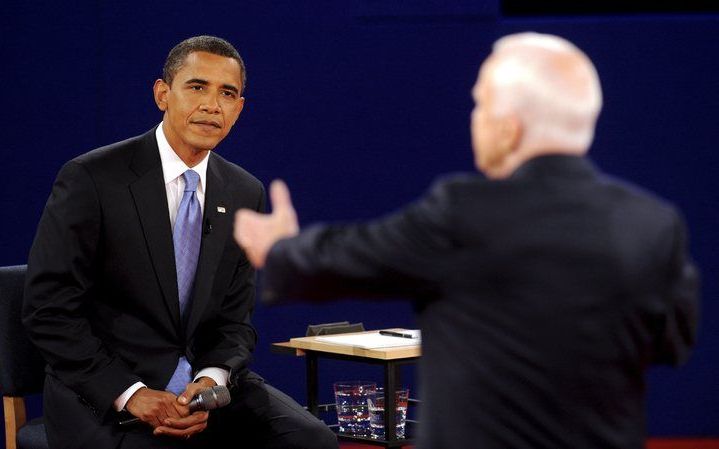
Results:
<point x="172" y="169"/>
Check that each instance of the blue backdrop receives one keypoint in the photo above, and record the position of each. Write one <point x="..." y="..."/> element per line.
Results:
<point x="359" y="105"/>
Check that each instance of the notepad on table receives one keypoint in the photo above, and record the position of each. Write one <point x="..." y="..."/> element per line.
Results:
<point x="372" y="340"/>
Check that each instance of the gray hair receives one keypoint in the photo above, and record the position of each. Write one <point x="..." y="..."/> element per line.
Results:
<point x="550" y="84"/>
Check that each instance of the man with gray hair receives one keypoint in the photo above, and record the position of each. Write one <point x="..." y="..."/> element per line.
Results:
<point x="543" y="292"/>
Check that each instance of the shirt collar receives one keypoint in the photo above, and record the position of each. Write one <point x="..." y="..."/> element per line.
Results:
<point x="173" y="166"/>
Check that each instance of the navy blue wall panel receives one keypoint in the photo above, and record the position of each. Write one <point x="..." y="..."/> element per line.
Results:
<point x="359" y="105"/>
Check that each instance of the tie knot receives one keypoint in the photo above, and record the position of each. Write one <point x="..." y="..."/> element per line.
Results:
<point x="192" y="178"/>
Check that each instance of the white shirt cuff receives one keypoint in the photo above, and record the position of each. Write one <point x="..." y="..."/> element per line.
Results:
<point x="121" y="401"/>
<point x="219" y="375"/>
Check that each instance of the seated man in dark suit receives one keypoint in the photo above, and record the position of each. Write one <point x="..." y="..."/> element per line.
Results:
<point x="136" y="293"/>
<point x="543" y="292"/>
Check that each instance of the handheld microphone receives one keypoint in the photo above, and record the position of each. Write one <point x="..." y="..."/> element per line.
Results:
<point x="210" y="399"/>
<point x="207" y="399"/>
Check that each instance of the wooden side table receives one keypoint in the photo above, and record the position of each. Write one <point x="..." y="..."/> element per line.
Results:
<point x="390" y="359"/>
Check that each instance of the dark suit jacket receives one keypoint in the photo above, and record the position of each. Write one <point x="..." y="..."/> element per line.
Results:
<point x="101" y="296"/>
<point x="542" y="299"/>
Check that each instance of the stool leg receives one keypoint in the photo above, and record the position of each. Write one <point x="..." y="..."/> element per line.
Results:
<point x="15" y="418"/>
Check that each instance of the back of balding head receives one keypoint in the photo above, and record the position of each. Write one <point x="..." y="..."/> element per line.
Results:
<point x="550" y="86"/>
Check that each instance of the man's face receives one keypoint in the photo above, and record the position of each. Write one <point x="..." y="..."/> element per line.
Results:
<point x="203" y="102"/>
<point x="493" y="138"/>
<point x="483" y="126"/>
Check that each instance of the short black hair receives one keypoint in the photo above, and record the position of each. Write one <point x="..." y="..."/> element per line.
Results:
<point x="209" y="44"/>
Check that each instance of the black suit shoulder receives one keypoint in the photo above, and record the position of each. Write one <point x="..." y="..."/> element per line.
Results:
<point x="640" y="197"/>
<point x="109" y="157"/>
<point x="117" y="164"/>
<point x="236" y="176"/>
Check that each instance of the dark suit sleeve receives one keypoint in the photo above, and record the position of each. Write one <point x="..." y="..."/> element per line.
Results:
<point x="59" y="288"/>
<point x="230" y="339"/>
<point x="399" y="255"/>
<point x="681" y="308"/>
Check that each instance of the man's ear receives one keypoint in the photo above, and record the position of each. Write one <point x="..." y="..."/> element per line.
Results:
<point x="160" y="90"/>
<point x="510" y="134"/>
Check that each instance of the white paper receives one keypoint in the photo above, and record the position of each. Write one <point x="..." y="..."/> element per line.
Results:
<point x="372" y="340"/>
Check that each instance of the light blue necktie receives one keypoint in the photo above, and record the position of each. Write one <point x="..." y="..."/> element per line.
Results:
<point x="186" y="238"/>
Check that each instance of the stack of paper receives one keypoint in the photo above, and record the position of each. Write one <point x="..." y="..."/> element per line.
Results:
<point x="373" y="340"/>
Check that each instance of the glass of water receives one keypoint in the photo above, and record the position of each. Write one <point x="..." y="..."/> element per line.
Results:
<point x="352" y="412"/>
<point x="375" y="404"/>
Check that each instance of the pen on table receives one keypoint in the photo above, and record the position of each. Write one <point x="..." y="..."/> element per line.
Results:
<point x="395" y="334"/>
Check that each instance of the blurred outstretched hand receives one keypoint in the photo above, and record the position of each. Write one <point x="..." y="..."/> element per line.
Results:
<point x="256" y="232"/>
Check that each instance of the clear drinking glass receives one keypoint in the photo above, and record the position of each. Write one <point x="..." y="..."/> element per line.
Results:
<point x="352" y="412"/>
<point x="375" y="404"/>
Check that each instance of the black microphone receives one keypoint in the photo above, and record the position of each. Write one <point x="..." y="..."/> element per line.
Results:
<point x="207" y="399"/>
<point x="208" y="226"/>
